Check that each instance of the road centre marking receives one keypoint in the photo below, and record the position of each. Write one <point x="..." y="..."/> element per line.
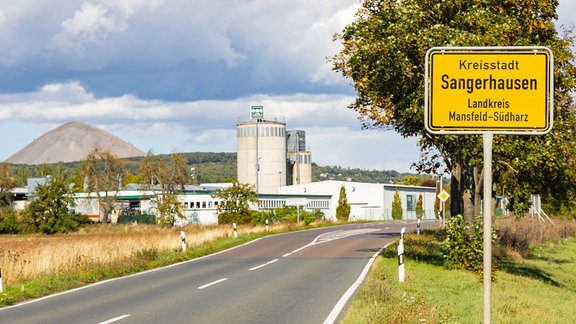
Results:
<point x="342" y="234"/>
<point x="213" y="283"/>
<point x="115" y="319"/>
<point x="263" y="265"/>
<point x="330" y="236"/>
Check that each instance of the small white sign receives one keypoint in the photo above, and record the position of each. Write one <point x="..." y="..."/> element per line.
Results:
<point x="296" y="201"/>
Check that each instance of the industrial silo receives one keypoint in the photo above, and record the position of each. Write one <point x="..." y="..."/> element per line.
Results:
<point x="262" y="152"/>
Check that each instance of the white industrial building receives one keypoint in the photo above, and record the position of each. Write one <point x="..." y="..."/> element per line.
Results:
<point x="370" y="201"/>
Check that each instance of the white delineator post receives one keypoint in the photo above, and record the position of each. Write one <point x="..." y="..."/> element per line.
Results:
<point x="1" y="288"/>
<point x="401" y="255"/>
<point x="266" y="225"/>
<point x="418" y="227"/>
<point x="183" y="237"/>
<point x="235" y="233"/>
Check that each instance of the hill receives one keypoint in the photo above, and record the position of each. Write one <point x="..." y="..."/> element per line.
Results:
<point x="72" y="142"/>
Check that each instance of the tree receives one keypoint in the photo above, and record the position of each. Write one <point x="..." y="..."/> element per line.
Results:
<point x="169" y="210"/>
<point x="410" y="180"/>
<point x="7" y="183"/>
<point x="103" y="175"/>
<point x="235" y="204"/>
<point x="343" y="208"/>
<point x="420" y="207"/>
<point x="397" y="207"/>
<point x="165" y="180"/>
<point x="51" y="209"/>
<point x="384" y="51"/>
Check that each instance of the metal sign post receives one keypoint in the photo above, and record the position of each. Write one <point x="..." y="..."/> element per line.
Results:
<point x="257" y="112"/>
<point x="487" y="239"/>
<point x="488" y="90"/>
<point x="297" y="202"/>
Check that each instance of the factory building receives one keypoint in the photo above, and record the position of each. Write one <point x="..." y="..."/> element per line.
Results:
<point x="370" y="201"/>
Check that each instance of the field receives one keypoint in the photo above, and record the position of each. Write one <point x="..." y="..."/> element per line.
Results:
<point x="535" y="282"/>
<point x="30" y="257"/>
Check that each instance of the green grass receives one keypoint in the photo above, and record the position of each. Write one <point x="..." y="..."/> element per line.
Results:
<point x="541" y="289"/>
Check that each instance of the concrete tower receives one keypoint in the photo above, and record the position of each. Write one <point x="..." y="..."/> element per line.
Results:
<point x="262" y="152"/>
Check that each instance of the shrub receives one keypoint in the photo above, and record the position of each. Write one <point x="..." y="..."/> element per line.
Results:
<point x="9" y="221"/>
<point x="464" y="246"/>
<point x="287" y="214"/>
<point x="420" y="207"/>
<point x="397" y="207"/>
<point x="343" y="208"/>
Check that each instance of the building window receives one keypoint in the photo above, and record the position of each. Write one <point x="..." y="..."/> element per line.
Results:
<point x="410" y="203"/>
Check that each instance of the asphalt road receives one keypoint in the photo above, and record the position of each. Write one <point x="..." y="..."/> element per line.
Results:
<point x="299" y="277"/>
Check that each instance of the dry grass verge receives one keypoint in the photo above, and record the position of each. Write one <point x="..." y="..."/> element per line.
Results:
<point x="517" y="236"/>
<point x="25" y="258"/>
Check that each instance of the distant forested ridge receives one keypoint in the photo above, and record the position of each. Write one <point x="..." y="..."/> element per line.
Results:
<point x="212" y="167"/>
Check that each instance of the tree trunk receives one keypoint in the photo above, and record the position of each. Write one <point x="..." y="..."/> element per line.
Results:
<point x="462" y="192"/>
<point x="478" y="193"/>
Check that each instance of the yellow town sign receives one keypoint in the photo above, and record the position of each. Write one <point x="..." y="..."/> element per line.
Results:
<point x="489" y="89"/>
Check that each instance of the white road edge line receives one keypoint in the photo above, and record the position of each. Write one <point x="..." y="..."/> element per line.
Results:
<point x="115" y="319"/>
<point x="212" y="283"/>
<point x="263" y="265"/>
<point x="333" y="316"/>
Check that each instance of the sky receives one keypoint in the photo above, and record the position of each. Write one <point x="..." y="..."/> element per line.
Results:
<point x="176" y="76"/>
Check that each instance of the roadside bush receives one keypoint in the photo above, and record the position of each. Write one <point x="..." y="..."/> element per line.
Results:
<point x="287" y="214"/>
<point x="235" y="217"/>
<point x="9" y="221"/>
<point x="463" y="247"/>
<point x="311" y="216"/>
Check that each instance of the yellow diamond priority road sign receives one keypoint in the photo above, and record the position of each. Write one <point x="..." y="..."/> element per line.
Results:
<point x="443" y="195"/>
<point x="506" y="90"/>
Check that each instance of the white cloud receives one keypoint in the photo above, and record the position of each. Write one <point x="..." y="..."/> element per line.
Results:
<point x="176" y="75"/>
<point x="205" y="125"/>
<point x="566" y="10"/>
<point x="91" y="22"/>
<point x="92" y="25"/>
